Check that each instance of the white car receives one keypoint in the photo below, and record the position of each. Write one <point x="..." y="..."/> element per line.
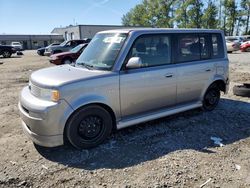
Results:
<point x="232" y="46"/>
<point x="17" y="45"/>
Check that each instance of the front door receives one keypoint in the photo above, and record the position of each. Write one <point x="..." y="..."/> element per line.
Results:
<point x="152" y="86"/>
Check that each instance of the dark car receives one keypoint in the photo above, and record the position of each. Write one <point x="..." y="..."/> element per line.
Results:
<point x="68" y="57"/>
<point x="6" y="51"/>
<point x="65" y="46"/>
<point x="41" y="51"/>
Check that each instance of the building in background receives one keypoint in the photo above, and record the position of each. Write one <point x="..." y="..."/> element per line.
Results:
<point x="83" y="31"/>
<point x="31" y="41"/>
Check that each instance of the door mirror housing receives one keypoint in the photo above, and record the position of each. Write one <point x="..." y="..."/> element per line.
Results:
<point x="134" y="62"/>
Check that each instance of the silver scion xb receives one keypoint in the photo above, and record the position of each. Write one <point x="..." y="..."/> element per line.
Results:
<point x="124" y="77"/>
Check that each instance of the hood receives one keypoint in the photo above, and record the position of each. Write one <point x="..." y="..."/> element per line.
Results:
<point x="57" y="76"/>
<point x="61" y="54"/>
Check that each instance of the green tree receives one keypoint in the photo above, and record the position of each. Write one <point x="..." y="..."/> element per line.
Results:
<point x="209" y="18"/>
<point x="245" y="5"/>
<point x="181" y="16"/>
<point x="230" y="13"/>
<point x="195" y="13"/>
<point x="151" y="13"/>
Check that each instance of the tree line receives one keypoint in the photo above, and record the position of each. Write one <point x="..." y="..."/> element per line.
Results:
<point x="232" y="16"/>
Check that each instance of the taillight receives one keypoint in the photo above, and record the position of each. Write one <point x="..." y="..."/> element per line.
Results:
<point x="233" y="45"/>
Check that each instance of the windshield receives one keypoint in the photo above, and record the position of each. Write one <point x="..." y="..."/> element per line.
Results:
<point x="63" y="43"/>
<point x="102" y="51"/>
<point x="77" y="48"/>
<point x="15" y="43"/>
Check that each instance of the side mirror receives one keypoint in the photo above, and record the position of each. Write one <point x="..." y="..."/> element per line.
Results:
<point x="134" y="62"/>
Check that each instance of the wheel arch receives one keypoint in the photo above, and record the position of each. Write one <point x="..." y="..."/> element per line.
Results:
<point x="101" y="104"/>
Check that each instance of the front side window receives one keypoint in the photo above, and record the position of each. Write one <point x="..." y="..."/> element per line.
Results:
<point x="102" y="51"/>
<point x="153" y="50"/>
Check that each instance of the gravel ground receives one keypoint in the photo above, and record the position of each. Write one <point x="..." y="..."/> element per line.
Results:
<point x="176" y="151"/>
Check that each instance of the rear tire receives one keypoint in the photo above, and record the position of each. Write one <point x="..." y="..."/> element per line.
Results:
<point x="89" y="127"/>
<point x="247" y="49"/>
<point x="211" y="98"/>
<point x="6" y="54"/>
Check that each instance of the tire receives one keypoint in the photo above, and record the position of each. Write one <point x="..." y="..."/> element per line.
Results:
<point x="6" y="54"/>
<point x="89" y="127"/>
<point x="230" y="52"/>
<point x="241" y="90"/>
<point x="211" y="98"/>
<point x="247" y="49"/>
<point x="67" y="61"/>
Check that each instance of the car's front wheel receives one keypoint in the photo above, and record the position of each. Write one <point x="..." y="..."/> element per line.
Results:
<point x="89" y="127"/>
<point x="211" y="98"/>
<point x="6" y="54"/>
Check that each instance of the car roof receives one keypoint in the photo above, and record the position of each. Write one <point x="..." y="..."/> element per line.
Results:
<point x="161" y="30"/>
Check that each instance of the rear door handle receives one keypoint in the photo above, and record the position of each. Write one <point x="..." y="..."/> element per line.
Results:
<point x="169" y="75"/>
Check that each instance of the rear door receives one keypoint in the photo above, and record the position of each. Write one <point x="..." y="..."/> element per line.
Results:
<point x="194" y="66"/>
<point x="152" y="86"/>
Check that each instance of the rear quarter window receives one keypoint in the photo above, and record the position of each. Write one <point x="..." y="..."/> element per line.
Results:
<point x="217" y="45"/>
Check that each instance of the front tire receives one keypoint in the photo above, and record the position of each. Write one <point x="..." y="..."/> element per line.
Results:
<point x="89" y="127"/>
<point x="211" y="98"/>
<point x="7" y="54"/>
<point x="67" y="61"/>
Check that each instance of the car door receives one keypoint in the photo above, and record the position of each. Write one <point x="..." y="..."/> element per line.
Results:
<point x="152" y="86"/>
<point x="194" y="66"/>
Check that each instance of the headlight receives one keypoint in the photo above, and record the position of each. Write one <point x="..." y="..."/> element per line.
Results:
<point x="49" y="94"/>
<point x="45" y="94"/>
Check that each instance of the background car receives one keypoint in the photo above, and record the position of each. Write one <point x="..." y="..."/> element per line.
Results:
<point x="41" y="51"/>
<point x="17" y="45"/>
<point x="6" y="51"/>
<point x="68" y="57"/>
<point x="65" y="46"/>
<point x="245" y="47"/>
<point x="232" y="46"/>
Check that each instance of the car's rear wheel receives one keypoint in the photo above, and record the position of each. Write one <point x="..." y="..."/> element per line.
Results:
<point x="247" y="49"/>
<point x="211" y="98"/>
<point x="6" y="54"/>
<point x="89" y="127"/>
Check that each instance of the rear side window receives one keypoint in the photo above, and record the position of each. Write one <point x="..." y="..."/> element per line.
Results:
<point x="188" y="48"/>
<point x="153" y="50"/>
<point x="217" y="45"/>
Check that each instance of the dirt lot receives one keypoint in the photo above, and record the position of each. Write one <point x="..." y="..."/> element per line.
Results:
<point x="171" y="152"/>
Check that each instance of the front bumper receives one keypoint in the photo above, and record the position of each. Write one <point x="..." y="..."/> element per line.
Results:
<point x="43" y="121"/>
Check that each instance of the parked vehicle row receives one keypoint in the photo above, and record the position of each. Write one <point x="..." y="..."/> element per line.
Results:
<point x="124" y="77"/>
<point x="64" y="47"/>
<point x="245" y="47"/>
<point x="40" y="51"/>
<point x="68" y="57"/>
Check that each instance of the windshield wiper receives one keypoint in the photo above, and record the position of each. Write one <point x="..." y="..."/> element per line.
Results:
<point x="88" y="66"/>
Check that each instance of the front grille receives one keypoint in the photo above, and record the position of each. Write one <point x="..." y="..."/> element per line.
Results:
<point x="36" y="91"/>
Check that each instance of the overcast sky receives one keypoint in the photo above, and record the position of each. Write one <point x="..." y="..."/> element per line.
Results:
<point x="41" y="16"/>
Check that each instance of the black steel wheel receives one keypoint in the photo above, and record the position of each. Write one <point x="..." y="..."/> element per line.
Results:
<point x="89" y="127"/>
<point x="211" y="98"/>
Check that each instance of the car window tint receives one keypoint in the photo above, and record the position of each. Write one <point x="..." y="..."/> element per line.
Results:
<point x="204" y="41"/>
<point x="218" y="48"/>
<point x="188" y="47"/>
<point x="153" y="50"/>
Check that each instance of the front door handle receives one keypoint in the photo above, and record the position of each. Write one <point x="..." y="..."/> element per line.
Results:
<point x="169" y="75"/>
